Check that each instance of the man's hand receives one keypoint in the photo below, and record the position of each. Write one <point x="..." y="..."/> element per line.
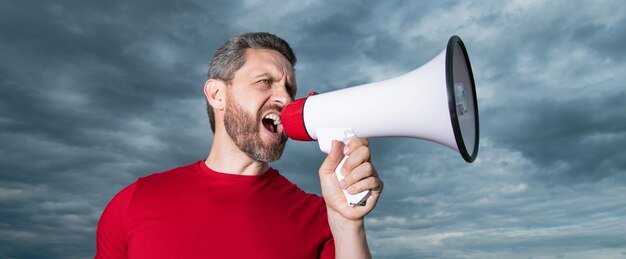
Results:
<point x="346" y="222"/>
<point x="359" y="175"/>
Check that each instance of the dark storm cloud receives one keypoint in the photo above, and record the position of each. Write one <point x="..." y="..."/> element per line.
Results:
<point x="343" y="41"/>
<point x="583" y="136"/>
<point x="545" y="86"/>
<point x="76" y="74"/>
<point x="81" y="80"/>
<point x="607" y="40"/>
<point x="95" y="94"/>
<point x="91" y="99"/>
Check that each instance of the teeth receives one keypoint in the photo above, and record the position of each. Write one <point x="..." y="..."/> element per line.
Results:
<point x="274" y="117"/>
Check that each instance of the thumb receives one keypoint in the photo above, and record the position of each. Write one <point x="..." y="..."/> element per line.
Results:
<point x="333" y="158"/>
<point x="330" y="186"/>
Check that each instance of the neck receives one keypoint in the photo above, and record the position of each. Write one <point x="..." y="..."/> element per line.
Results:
<point x="226" y="157"/>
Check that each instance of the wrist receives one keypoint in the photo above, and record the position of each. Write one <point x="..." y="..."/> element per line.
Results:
<point x="340" y="225"/>
<point x="349" y="236"/>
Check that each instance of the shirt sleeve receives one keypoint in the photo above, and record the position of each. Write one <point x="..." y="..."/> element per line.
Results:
<point x="111" y="241"/>
<point x="328" y="251"/>
<point x="328" y="247"/>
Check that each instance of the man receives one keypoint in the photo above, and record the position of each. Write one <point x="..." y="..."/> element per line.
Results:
<point x="233" y="205"/>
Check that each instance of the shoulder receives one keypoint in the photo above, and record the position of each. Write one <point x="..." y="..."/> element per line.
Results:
<point x="170" y="177"/>
<point x="155" y="189"/>
<point x="116" y="219"/>
<point x="112" y="227"/>
<point x="118" y="206"/>
<point x="173" y="173"/>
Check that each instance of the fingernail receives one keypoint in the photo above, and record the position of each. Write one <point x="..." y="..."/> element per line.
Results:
<point x="351" y="190"/>
<point x="343" y="171"/>
<point x="342" y="184"/>
<point x="345" y="150"/>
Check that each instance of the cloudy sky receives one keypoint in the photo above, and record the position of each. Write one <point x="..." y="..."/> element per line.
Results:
<point x="94" y="94"/>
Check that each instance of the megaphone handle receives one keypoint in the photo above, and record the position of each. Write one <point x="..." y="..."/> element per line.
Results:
<point x="325" y="138"/>
<point x="353" y="199"/>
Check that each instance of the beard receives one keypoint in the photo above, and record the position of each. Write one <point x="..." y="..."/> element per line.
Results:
<point x="243" y="129"/>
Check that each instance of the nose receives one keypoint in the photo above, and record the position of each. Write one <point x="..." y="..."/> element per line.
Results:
<point x="281" y="97"/>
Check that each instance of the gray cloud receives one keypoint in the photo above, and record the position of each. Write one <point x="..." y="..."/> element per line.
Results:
<point x="584" y="137"/>
<point x="94" y="95"/>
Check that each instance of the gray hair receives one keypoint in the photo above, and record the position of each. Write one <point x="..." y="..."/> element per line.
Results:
<point x="231" y="56"/>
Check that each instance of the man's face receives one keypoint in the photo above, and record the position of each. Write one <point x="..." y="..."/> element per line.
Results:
<point x="257" y="94"/>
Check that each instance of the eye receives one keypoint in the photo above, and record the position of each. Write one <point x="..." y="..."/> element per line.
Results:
<point x="265" y="81"/>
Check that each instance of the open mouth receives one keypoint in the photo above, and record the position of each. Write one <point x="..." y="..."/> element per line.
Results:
<point x="271" y="122"/>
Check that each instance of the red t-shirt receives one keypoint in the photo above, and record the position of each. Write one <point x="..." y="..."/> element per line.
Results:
<point x="195" y="212"/>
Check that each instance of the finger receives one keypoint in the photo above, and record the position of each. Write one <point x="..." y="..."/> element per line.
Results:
<point x="354" y="143"/>
<point x="369" y="183"/>
<point x="362" y="171"/>
<point x="357" y="157"/>
<point x="333" y="158"/>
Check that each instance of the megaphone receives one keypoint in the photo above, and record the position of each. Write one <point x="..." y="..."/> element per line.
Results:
<point x="435" y="102"/>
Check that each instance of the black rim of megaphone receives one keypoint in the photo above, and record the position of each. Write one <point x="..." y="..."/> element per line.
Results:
<point x="451" y="99"/>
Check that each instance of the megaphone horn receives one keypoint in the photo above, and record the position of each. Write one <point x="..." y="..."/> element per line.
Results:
<point x="435" y="102"/>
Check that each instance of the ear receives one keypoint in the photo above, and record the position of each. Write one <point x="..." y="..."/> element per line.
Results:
<point x="215" y="93"/>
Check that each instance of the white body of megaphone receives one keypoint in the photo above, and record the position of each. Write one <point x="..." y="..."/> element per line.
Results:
<point x="435" y="102"/>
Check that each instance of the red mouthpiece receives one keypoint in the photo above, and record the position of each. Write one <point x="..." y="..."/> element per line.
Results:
<point x="292" y="118"/>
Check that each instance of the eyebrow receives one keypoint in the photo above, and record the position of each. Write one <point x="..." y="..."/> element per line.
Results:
<point x="289" y="86"/>
<point x="266" y="75"/>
